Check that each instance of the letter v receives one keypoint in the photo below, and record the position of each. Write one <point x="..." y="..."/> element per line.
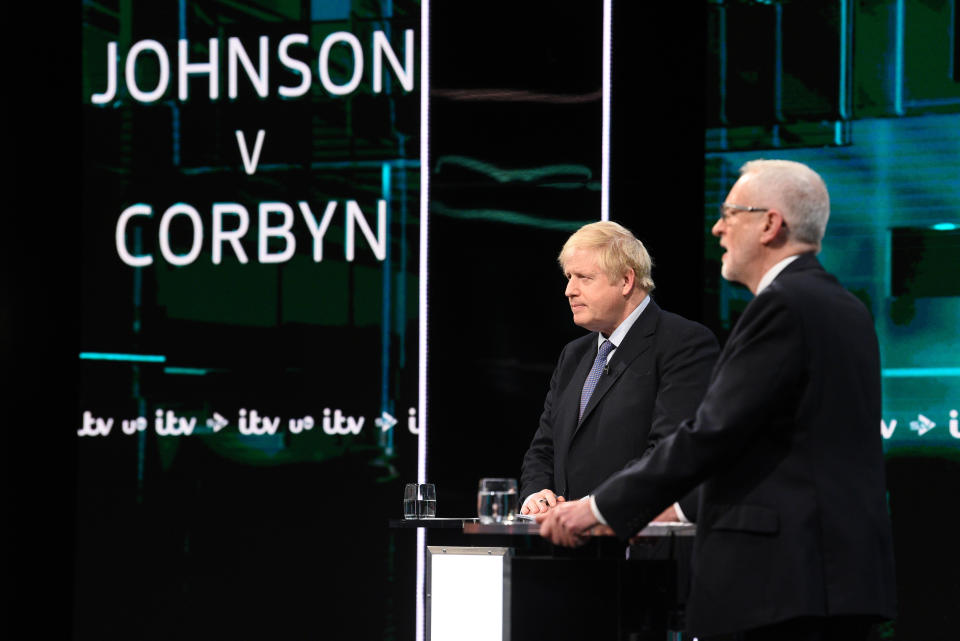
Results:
<point x="250" y="164"/>
<point x="887" y="430"/>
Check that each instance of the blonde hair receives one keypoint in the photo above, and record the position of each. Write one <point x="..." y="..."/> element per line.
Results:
<point x="617" y="251"/>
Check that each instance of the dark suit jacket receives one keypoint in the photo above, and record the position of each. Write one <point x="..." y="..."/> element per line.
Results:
<point x="656" y="378"/>
<point x="793" y="519"/>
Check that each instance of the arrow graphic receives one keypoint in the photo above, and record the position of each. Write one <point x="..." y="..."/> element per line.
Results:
<point x="385" y="422"/>
<point x="217" y="423"/>
<point x="922" y="425"/>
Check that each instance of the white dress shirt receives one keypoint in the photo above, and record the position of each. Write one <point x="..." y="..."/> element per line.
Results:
<point x="621" y="331"/>
<point x="773" y="272"/>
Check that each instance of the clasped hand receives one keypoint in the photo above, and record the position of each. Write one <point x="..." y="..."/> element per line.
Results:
<point x="570" y="523"/>
<point x="540" y="502"/>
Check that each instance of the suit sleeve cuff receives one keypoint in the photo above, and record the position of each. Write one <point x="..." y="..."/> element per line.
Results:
<point x="680" y="515"/>
<point x="596" y="510"/>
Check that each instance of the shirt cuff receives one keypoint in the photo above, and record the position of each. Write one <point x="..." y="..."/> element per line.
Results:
<point x="680" y="515"/>
<point x="596" y="510"/>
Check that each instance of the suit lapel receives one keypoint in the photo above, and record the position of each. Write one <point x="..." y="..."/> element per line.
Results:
<point x="638" y="340"/>
<point x="567" y="423"/>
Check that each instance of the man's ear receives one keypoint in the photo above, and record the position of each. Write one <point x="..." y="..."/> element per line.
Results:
<point x="628" y="281"/>
<point x="773" y="225"/>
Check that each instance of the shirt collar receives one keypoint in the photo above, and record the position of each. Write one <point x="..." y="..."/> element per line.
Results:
<point x="621" y="331"/>
<point x="774" y="271"/>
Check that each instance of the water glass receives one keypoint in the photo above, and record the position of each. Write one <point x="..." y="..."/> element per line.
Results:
<point x="497" y="500"/>
<point x="419" y="501"/>
<point x="410" y="501"/>
<point x="427" y="501"/>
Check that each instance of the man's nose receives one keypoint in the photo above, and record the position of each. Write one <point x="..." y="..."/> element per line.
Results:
<point x="569" y="291"/>
<point x="716" y="227"/>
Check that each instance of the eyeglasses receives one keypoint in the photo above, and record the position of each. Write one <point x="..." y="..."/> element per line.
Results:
<point x="727" y="211"/>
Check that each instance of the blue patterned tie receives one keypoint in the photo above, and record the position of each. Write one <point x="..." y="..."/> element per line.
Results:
<point x="598" y="364"/>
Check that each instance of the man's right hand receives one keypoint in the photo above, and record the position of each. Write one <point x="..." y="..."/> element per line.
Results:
<point x="540" y="502"/>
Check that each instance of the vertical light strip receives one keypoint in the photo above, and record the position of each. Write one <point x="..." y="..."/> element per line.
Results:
<point x="422" y="311"/>
<point x="175" y="110"/>
<point x="840" y="126"/>
<point x="386" y="438"/>
<point x="722" y="46"/>
<point x="605" y="135"/>
<point x="898" y="55"/>
<point x="951" y="67"/>
<point x="401" y="299"/>
<point x="421" y="561"/>
<point x="182" y="19"/>
<point x="135" y="370"/>
<point x="844" y="59"/>
<point x="778" y="67"/>
<point x="424" y="237"/>
<point x="175" y="134"/>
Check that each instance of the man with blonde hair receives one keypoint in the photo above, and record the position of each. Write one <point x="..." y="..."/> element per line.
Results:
<point x="793" y="535"/>
<point x="633" y="379"/>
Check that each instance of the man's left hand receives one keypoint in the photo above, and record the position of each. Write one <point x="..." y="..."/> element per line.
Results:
<point x="567" y="523"/>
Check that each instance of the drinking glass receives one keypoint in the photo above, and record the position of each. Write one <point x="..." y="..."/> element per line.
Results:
<point x="427" y="501"/>
<point x="410" y="501"/>
<point x="497" y="500"/>
<point x="419" y="501"/>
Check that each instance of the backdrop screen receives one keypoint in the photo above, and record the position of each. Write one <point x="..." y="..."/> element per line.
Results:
<point x="250" y="303"/>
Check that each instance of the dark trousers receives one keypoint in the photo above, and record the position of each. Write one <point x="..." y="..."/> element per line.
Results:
<point x="839" y="628"/>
